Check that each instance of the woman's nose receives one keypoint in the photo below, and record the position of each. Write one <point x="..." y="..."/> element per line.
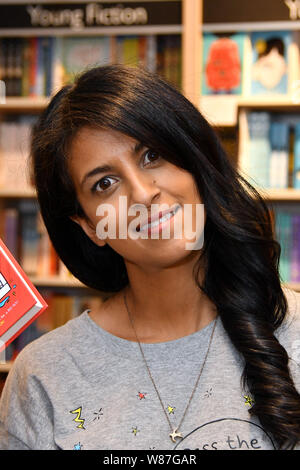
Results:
<point x="144" y="190"/>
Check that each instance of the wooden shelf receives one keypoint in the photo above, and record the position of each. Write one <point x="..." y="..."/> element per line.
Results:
<point x="24" y="104"/>
<point x="223" y="110"/>
<point x="15" y="193"/>
<point x="277" y="101"/>
<point x="288" y="194"/>
<point x="56" y="281"/>
<point x="5" y="366"/>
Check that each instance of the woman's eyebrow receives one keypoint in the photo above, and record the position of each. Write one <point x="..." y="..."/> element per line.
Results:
<point x="106" y="168"/>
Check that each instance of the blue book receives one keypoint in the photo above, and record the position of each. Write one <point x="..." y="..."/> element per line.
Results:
<point x="269" y="74"/>
<point x="39" y="84"/>
<point x="259" y="148"/>
<point x="284" y="235"/>
<point x="296" y="171"/>
<point x="279" y="159"/>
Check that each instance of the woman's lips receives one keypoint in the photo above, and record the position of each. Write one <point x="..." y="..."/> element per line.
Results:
<point x="155" y="224"/>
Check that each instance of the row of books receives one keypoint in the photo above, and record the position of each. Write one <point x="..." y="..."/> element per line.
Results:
<point x="61" y="308"/>
<point x="273" y="150"/>
<point x="250" y="63"/>
<point x="39" y="66"/>
<point x="287" y="232"/>
<point x="14" y="151"/>
<point x="25" y="235"/>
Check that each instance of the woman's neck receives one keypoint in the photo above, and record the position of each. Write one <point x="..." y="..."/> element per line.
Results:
<point x="163" y="304"/>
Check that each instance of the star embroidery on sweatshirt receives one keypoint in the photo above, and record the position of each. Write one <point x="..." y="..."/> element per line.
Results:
<point x="208" y="393"/>
<point x="171" y="409"/>
<point x="98" y="414"/>
<point x="78" y="446"/>
<point x="248" y="400"/>
<point x="141" y="396"/>
<point x="135" y="430"/>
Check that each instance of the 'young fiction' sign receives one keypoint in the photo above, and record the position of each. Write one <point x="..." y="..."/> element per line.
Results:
<point x="89" y="14"/>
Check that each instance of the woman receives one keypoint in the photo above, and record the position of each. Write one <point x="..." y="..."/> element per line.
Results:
<point x="159" y="366"/>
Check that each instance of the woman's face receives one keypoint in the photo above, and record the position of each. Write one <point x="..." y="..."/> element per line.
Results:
<point x="110" y="168"/>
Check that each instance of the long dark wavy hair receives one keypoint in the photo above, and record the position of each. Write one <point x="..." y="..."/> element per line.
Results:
<point x="240" y="255"/>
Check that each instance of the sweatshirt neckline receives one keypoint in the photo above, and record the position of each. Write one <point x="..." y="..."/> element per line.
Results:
<point x="187" y="345"/>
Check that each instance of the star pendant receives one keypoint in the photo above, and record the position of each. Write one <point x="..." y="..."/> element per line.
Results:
<point x="175" y="434"/>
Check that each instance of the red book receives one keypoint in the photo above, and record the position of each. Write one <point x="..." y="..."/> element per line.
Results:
<point x="20" y="301"/>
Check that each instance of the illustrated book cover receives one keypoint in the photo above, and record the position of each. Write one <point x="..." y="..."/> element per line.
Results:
<point x="20" y="301"/>
<point x="270" y="62"/>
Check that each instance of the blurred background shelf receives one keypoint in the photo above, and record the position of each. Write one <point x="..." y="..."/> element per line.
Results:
<point x="56" y="281"/>
<point x="24" y="104"/>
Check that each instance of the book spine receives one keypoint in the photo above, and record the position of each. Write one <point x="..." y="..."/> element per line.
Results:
<point x="151" y="53"/>
<point x="18" y="66"/>
<point x="131" y="51"/>
<point x="279" y="157"/>
<point x="9" y="66"/>
<point x="259" y="148"/>
<point x="33" y="66"/>
<point x="47" y="65"/>
<point x="284" y="237"/>
<point x="142" y="51"/>
<point x="295" y="249"/>
<point x="29" y="236"/>
<point x="26" y="62"/>
<point x="39" y="86"/>
<point x="10" y="238"/>
<point x="57" y="71"/>
<point x="296" y="170"/>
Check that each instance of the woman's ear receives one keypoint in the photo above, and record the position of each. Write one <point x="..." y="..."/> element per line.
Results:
<point x="88" y="228"/>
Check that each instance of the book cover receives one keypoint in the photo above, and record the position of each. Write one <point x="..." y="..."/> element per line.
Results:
<point x="270" y="70"/>
<point x="20" y="301"/>
<point x="222" y="63"/>
<point x="279" y="160"/>
<point x="131" y="50"/>
<point x="259" y="148"/>
<point x="284" y="237"/>
<point x="81" y="53"/>
<point x="296" y="169"/>
<point x="295" y="250"/>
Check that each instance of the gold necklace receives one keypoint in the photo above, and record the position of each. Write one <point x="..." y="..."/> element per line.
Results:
<point x="175" y="433"/>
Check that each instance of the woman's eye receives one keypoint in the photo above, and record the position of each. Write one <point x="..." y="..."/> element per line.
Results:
<point x="103" y="184"/>
<point x="151" y="156"/>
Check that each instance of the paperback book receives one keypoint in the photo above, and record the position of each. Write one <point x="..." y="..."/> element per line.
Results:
<point x="223" y="63"/>
<point x="270" y="64"/>
<point x="20" y="301"/>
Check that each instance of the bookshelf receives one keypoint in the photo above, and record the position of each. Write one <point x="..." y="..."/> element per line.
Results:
<point x="23" y="104"/>
<point x="248" y="31"/>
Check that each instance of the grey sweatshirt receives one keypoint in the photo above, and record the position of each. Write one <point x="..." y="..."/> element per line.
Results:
<point x="80" y="387"/>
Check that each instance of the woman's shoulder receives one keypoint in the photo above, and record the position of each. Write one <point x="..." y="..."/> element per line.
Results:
<point x="288" y="333"/>
<point x="55" y="346"/>
<point x="292" y="319"/>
